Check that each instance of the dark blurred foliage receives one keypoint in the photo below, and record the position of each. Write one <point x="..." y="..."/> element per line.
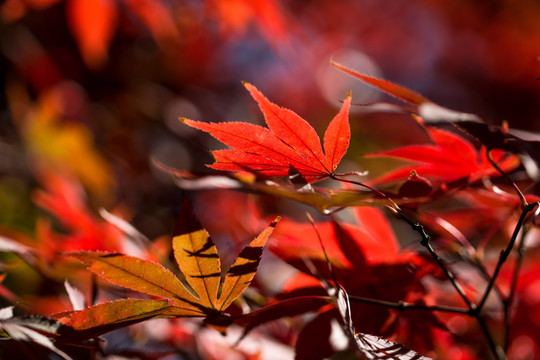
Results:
<point x="92" y="89"/>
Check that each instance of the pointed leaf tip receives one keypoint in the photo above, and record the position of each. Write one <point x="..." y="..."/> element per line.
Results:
<point x="242" y="271"/>
<point x="386" y="86"/>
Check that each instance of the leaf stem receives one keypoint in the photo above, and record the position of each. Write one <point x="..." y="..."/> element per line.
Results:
<point x="512" y="183"/>
<point x="395" y="207"/>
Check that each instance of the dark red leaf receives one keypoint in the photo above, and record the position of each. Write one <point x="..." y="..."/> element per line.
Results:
<point x="448" y="159"/>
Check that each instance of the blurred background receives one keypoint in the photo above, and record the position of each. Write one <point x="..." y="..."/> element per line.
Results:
<point x="91" y="91"/>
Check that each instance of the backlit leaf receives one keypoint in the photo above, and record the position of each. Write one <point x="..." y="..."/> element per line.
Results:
<point x="198" y="259"/>
<point x="137" y="274"/>
<point x="287" y="125"/>
<point x="114" y="312"/>
<point x="243" y="269"/>
<point x="450" y="158"/>
<point x="337" y="136"/>
<point x="288" y="143"/>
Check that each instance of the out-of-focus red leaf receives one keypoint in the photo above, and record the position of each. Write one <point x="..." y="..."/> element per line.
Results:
<point x="428" y="111"/>
<point x="235" y="17"/>
<point x="288" y="143"/>
<point x="64" y="198"/>
<point x="347" y="246"/>
<point x="294" y="241"/>
<point x="387" y="86"/>
<point x="157" y="18"/>
<point x="448" y="159"/>
<point x="5" y="293"/>
<point x="12" y="10"/>
<point x="32" y="60"/>
<point x="93" y="23"/>
<point x="378" y="241"/>
<point x="271" y="19"/>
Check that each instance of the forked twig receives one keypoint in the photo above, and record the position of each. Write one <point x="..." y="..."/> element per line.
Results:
<point x="473" y="310"/>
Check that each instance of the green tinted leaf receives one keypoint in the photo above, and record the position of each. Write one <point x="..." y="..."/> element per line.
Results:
<point x="139" y="275"/>
<point x="198" y="259"/>
<point x="243" y="270"/>
<point x="116" y="312"/>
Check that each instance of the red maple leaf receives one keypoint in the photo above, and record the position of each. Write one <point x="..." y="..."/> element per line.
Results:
<point x="289" y="142"/>
<point x="449" y="158"/>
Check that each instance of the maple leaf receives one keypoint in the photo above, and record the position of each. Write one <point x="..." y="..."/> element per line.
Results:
<point x="198" y="260"/>
<point x="449" y="158"/>
<point x="289" y="142"/>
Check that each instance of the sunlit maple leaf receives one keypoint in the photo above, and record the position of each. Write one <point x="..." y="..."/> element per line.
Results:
<point x="197" y="258"/>
<point x="449" y="158"/>
<point x="289" y="142"/>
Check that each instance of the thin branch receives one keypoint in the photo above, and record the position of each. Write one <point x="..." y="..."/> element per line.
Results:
<point x="425" y="241"/>
<point x="506" y="252"/>
<point x="509" y="300"/>
<point x="402" y="306"/>
<point x="327" y="259"/>
<point x="473" y="310"/>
